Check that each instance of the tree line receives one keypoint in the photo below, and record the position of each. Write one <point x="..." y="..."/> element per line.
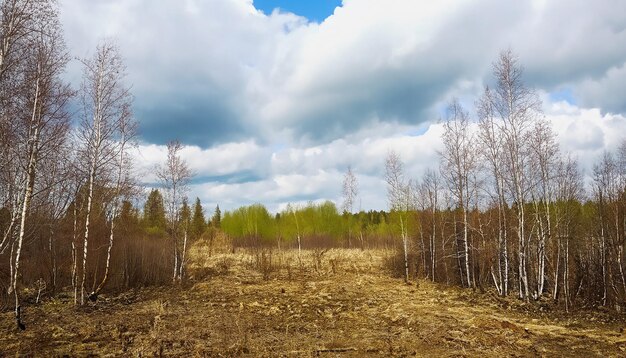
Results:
<point x="505" y="209"/>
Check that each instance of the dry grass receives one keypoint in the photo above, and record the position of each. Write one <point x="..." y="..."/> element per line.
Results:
<point x="335" y="302"/>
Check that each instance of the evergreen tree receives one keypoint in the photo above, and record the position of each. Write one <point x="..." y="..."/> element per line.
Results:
<point x="185" y="216"/>
<point x="154" y="213"/>
<point x="198" y="223"/>
<point x="216" y="220"/>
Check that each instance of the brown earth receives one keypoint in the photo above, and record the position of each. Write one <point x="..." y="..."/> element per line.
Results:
<point x="336" y="303"/>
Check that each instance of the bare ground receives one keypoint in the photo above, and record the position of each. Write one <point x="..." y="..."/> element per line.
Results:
<point x="343" y="304"/>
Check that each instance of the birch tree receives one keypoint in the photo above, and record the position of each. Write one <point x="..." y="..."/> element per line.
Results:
<point x="568" y="191"/>
<point x="185" y="227"/>
<point x="41" y="119"/>
<point x="458" y="168"/>
<point x="491" y="143"/>
<point x="18" y="33"/>
<point x="102" y="135"/>
<point x="516" y="107"/>
<point x="400" y="200"/>
<point x="122" y="184"/>
<point x="174" y="176"/>
<point x="544" y="159"/>
<point x="430" y="192"/>
<point x="350" y="191"/>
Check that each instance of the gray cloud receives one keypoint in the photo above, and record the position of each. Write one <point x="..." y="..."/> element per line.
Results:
<point x="191" y="119"/>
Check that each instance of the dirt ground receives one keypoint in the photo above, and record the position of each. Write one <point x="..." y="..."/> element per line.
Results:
<point x="337" y="303"/>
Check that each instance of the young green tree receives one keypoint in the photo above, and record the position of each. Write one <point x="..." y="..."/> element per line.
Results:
<point x="198" y="222"/>
<point x="216" y="219"/>
<point x="154" y="220"/>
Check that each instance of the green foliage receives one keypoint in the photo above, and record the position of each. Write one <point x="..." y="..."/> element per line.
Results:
<point x="316" y="225"/>
<point x="154" y="214"/>
<point x="216" y="219"/>
<point x="198" y="224"/>
<point x="313" y="223"/>
<point x="250" y="222"/>
<point x="185" y="215"/>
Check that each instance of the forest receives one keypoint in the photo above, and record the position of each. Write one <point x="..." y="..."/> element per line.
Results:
<point x="506" y="211"/>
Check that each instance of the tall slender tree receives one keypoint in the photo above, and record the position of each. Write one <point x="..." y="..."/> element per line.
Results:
<point x="516" y="108"/>
<point x="459" y="169"/>
<point x="350" y="191"/>
<point x="198" y="222"/>
<point x="104" y="129"/>
<point x="175" y="177"/>
<point x="400" y="197"/>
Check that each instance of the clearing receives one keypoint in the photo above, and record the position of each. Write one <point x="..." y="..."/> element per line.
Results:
<point x="334" y="303"/>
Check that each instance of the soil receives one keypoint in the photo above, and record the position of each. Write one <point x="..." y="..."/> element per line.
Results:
<point x="317" y="303"/>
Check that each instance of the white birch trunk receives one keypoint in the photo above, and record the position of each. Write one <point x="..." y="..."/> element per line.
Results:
<point x="86" y="237"/>
<point x="33" y="142"/>
<point x="406" y="250"/>
<point x="466" y="247"/>
<point x="181" y="270"/>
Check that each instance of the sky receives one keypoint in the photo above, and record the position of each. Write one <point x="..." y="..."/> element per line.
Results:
<point x="273" y="100"/>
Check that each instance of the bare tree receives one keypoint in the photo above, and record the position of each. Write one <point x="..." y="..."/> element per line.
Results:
<point x="123" y="184"/>
<point x="350" y="191"/>
<point x="105" y="103"/>
<point x="175" y="176"/>
<point x="20" y="22"/>
<point x="544" y="156"/>
<point x="492" y="149"/>
<point x="41" y="119"/>
<point x="606" y="191"/>
<point x="516" y="107"/>
<point x="568" y="191"/>
<point x="429" y="193"/>
<point x="458" y="167"/>
<point x="400" y="196"/>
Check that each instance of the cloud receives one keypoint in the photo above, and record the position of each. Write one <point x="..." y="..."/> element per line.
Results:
<point x="585" y="133"/>
<point x="243" y="173"/>
<point x="231" y="160"/>
<point x="606" y="92"/>
<point x="274" y="108"/>
<point x="210" y="72"/>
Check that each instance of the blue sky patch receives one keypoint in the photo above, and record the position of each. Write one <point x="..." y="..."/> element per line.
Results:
<point x="563" y="94"/>
<point x="316" y="11"/>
